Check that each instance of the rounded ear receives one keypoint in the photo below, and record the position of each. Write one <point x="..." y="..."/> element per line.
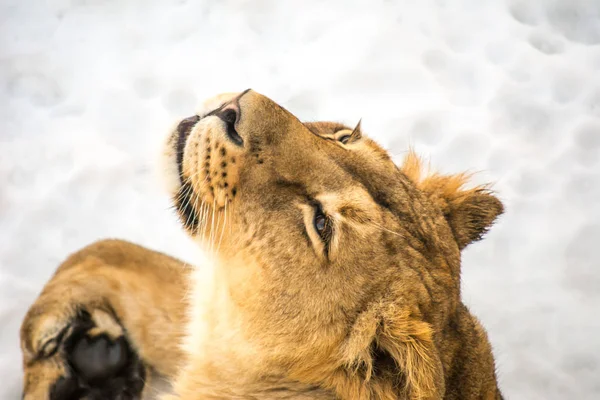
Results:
<point x="469" y="212"/>
<point x="473" y="215"/>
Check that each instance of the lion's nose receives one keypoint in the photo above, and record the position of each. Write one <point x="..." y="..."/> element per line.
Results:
<point x="230" y="114"/>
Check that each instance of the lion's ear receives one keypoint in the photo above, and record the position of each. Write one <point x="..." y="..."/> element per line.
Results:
<point x="470" y="213"/>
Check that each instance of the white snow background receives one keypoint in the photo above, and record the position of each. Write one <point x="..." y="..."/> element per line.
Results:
<point x="511" y="88"/>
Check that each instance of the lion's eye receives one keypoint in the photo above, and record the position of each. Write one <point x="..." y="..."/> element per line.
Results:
<point x="322" y="224"/>
<point x="344" y="139"/>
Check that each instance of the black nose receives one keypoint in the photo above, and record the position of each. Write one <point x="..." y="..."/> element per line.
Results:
<point x="230" y="114"/>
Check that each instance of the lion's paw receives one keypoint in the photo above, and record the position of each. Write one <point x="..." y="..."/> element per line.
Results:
<point x="91" y="359"/>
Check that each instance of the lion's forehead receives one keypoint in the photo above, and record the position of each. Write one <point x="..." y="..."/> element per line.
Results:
<point x="350" y="180"/>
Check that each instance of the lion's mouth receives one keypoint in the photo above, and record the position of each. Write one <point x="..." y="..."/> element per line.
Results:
<point x="183" y="131"/>
<point x="208" y="166"/>
<point x="229" y="115"/>
<point x="203" y="186"/>
<point x="185" y="194"/>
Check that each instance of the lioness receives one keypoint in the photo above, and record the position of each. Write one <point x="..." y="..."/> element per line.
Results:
<point x="332" y="274"/>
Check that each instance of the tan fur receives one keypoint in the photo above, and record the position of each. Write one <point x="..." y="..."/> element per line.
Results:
<point x="109" y="278"/>
<point x="469" y="211"/>
<point x="277" y="312"/>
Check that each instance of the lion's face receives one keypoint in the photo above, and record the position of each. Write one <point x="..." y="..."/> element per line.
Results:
<point x="314" y="225"/>
<point x="310" y="207"/>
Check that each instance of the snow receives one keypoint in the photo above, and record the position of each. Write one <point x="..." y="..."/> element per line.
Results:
<point x="509" y="88"/>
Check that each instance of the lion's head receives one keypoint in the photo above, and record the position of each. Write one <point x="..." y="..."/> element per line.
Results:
<point x="340" y="269"/>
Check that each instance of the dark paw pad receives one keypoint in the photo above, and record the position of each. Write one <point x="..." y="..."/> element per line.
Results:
<point x="99" y="358"/>
<point x="66" y="388"/>
<point x="99" y="367"/>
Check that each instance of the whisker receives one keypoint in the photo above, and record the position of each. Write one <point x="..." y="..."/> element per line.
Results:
<point x="196" y="202"/>
<point x="200" y="211"/>
<point x="224" y="224"/>
<point x="204" y="220"/>
<point x="383" y="228"/>
<point x="190" y="201"/>
<point x="212" y="227"/>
